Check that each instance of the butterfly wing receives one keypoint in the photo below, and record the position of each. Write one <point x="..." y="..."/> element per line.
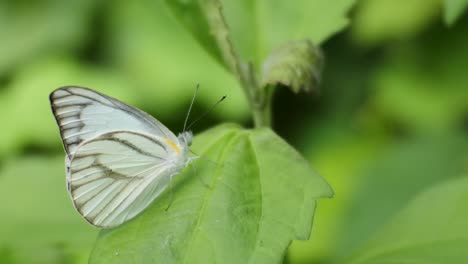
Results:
<point x="116" y="175"/>
<point x="82" y="114"/>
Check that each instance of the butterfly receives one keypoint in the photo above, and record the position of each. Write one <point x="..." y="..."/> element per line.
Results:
<point x="118" y="158"/>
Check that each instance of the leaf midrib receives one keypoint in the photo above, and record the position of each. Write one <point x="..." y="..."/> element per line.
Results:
<point x="232" y="138"/>
<point x="259" y="224"/>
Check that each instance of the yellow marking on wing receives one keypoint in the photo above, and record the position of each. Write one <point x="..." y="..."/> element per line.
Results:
<point x="173" y="145"/>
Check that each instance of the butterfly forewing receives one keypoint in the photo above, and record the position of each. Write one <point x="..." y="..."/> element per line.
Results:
<point x="83" y="114"/>
<point x="116" y="175"/>
<point x="118" y="158"/>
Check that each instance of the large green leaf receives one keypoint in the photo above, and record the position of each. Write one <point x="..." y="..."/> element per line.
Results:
<point x="453" y="10"/>
<point x="257" y="27"/>
<point x="270" y="24"/>
<point x="203" y="19"/>
<point x="38" y="223"/>
<point x="248" y="198"/>
<point x="431" y="229"/>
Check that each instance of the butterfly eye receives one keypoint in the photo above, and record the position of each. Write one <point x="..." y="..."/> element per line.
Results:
<point x="186" y="137"/>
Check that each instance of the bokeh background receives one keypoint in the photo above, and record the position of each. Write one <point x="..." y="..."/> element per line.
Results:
<point x="390" y="120"/>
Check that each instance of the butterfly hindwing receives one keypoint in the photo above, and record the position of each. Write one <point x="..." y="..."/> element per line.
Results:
<point x="114" y="176"/>
<point x="82" y="114"/>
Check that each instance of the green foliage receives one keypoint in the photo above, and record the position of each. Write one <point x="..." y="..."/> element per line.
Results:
<point x="423" y="88"/>
<point x="38" y="223"/>
<point x="248" y="33"/>
<point x="195" y="15"/>
<point x="390" y="123"/>
<point x="404" y="170"/>
<point x="35" y="81"/>
<point x="59" y="26"/>
<point x="453" y="9"/>
<point x="248" y="183"/>
<point x="430" y="229"/>
<point x="374" y="182"/>
<point x="258" y="27"/>
<point x="164" y="63"/>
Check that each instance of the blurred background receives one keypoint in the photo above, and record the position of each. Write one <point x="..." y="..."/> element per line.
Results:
<point x="390" y="120"/>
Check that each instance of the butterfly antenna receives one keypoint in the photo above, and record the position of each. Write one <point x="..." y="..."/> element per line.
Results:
<point x="190" y="107"/>
<point x="207" y="112"/>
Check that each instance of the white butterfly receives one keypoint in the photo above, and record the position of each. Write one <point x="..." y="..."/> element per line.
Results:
<point x="118" y="158"/>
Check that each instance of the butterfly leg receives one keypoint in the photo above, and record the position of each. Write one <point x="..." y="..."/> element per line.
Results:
<point x="171" y="196"/>
<point x="203" y="158"/>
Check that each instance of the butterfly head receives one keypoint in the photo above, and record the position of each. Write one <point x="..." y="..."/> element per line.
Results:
<point x="186" y="138"/>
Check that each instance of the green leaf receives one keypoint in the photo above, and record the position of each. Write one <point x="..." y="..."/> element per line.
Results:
<point x="258" y="27"/>
<point x="204" y="19"/>
<point x="297" y="65"/>
<point x="248" y="198"/>
<point x="38" y="223"/>
<point x="453" y="10"/>
<point x="431" y="229"/>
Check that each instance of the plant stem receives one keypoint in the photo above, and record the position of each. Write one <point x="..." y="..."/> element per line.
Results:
<point x="262" y="117"/>
<point x="258" y="99"/>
